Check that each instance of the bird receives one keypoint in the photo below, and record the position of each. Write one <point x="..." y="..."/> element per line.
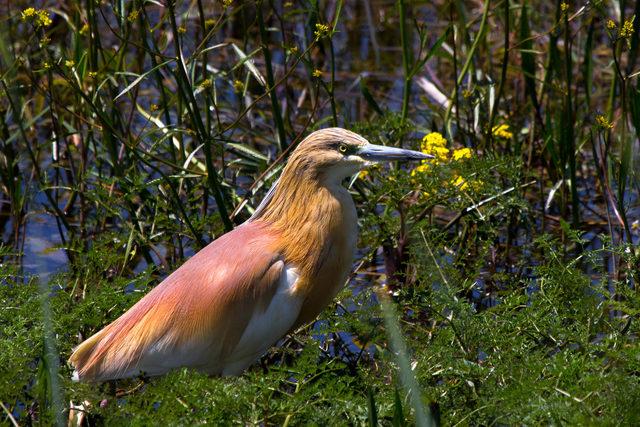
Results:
<point x="224" y="307"/>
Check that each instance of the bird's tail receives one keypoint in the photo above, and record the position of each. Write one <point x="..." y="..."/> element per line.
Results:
<point x="81" y="359"/>
<point x="117" y="350"/>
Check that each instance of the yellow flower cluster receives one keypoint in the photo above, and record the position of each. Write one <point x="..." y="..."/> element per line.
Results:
<point x="39" y="17"/>
<point x="322" y="30"/>
<point x="238" y="86"/>
<point x="603" y="122"/>
<point x="420" y="169"/>
<point x="627" y="30"/>
<point x="610" y="24"/>
<point x="133" y="15"/>
<point x="435" y="144"/>
<point x="205" y="84"/>
<point x="564" y="7"/>
<point x="29" y="13"/>
<point x="317" y="73"/>
<point x="461" y="153"/>
<point x="460" y="183"/>
<point x="502" y="131"/>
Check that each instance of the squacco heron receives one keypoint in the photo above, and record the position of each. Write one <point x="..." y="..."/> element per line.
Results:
<point x="229" y="303"/>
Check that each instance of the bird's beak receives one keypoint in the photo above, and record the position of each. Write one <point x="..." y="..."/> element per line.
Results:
<point x="377" y="153"/>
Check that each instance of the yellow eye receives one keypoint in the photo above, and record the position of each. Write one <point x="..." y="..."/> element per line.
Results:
<point x="342" y="148"/>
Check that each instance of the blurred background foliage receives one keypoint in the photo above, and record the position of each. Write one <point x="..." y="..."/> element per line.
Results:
<point x="132" y="133"/>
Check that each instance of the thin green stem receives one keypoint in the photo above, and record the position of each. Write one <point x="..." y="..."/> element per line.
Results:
<point x="406" y="59"/>
<point x="275" y="105"/>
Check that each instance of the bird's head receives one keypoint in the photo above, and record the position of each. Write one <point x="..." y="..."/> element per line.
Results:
<point x="335" y="154"/>
<point x="325" y="157"/>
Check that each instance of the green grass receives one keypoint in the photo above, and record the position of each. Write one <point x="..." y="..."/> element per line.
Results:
<point x="134" y="134"/>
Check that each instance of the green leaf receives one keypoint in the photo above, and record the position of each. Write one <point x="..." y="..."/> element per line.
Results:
<point x="373" y="413"/>
<point x="140" y="78"/>
<point x="398" y="415"/>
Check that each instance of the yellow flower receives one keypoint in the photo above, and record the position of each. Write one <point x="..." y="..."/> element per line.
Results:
<point x="84" y="30"/>
<point x="603" y="122"/>
<point x="502" y="131"/>
<point x="182" y="29"/>
<point x="627" y="30"/>
<point x="435" y="144"/>
<point x="420" y="169"/>
<point x="433" y="139"/>
<point x="133" y="15"/>
<point x="39" y="17"/>
<point x="610" y="24"/>
<point x="205" y="84"/>
<point x="564" y="7"/>
<point x="46" y="65"/>
<point x="321" y="31"/>
<point x="460" y="183"/>
<point x="227" y="3"/>
<point x="93" y="74"/>
<point x="293" y="50"/>
<point x="69" y="63"/>
<point x="461" y="153"/>
<point x="154" y="107"/>
<point x="441" y="153"/>
<point x="238" y="86"/>
<point x="317" y="73"/>
<point x="43" y="19"/>
<point x="29" y="12"/>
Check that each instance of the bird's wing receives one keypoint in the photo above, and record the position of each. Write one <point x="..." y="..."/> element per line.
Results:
<point x="218" y="312"/>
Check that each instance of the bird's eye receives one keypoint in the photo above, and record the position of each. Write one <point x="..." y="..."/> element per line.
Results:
<point x="342" y="148"/>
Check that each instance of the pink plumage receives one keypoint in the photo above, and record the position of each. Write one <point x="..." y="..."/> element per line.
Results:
<point x="195" y="317"/>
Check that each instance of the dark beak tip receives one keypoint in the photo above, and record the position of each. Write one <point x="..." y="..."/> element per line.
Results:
<point x="383" y="153"/>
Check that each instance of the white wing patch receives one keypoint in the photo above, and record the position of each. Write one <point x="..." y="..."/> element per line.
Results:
<point x="266" y="327"/>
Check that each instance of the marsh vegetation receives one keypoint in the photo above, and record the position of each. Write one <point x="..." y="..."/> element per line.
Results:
<point x="498" y="284"/>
